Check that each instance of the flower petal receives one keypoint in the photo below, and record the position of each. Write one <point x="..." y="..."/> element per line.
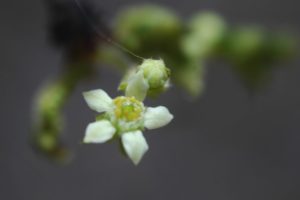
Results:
<point x="134" y="145"/>
<point x="137" y="86"/>
<point x="98" y="100"/>
<point x="157" y="117"/>
<point x="99" y="132"/>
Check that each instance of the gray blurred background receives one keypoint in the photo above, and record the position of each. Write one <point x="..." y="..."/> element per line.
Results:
<point x="226" y="145"/>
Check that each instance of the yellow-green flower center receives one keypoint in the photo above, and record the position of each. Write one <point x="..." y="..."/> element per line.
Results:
<point x="128" y="108"/>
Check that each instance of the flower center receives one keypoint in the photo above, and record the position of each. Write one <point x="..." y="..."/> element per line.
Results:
<point x="128" y="108"/>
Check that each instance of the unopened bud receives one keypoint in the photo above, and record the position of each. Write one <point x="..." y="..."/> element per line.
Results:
<point x="150" y="78"/>
<point x="155" y="72"/>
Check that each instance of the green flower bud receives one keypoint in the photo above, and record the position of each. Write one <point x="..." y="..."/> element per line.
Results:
<point x="156" y="73"/>
<point x="205" y="32"/>
<point x="255" y="52"/>
<point x="146" y="29"/>
<point x="244" y="44"/>
<point x="191" y="78"/>
<point x="150" y="78"/>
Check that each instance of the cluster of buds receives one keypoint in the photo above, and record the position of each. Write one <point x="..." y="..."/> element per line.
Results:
<point x="125" y="117"/>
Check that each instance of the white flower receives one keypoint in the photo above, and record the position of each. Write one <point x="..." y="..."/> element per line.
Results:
<point x="125" y="117"/>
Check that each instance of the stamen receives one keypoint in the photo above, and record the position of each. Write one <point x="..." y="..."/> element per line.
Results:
<point x="128" y="108"/>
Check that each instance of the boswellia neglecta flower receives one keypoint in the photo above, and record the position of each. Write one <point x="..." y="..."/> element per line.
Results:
<point x="151" y="77"/>
<point x="124" y="117"/>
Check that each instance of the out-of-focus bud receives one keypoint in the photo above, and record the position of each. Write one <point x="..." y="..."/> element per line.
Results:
<point x="191" y="78"/>
<point x="150" y="78"/>
<point x="147" y="29"/>
<point x="282" y="45"/>
<point x="254" y="51"/>
<point x="205" y="32"/>
<point x="244" y="43"/>
<point x="48" y="123"/>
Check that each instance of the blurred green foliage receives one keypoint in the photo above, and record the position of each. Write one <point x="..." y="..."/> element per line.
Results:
<point x="252" y="52"/>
